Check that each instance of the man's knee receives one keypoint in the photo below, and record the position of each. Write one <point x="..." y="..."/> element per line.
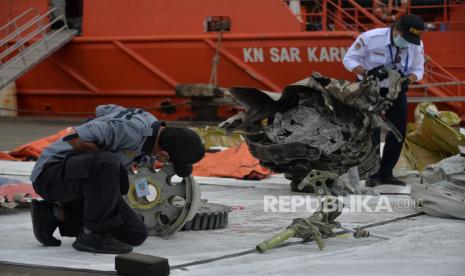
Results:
<point x="138" y="238"/>
<point x="138" y="231"/>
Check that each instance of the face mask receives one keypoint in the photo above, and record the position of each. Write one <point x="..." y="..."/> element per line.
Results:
<point x="400" y="42"/>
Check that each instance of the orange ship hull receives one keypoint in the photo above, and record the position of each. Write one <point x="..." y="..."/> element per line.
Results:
<point x="134" y="58"/>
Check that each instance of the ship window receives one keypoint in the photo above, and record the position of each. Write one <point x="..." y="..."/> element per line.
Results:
<point x="217" y="23"/>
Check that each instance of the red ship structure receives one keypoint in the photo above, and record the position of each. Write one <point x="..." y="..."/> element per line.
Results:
<point x="67" y="57"/>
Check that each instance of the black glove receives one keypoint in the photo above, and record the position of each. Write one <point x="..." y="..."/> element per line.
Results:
<point x="404" y="83"/>
<point x="379" y="72"/>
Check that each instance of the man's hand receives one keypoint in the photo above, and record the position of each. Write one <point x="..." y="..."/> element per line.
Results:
<point x="359" y="70"/>
<point x="404" y="83"/>
<point x="379" y="72"/>
<point x="79" y="145"/>
<point x="163" y="157"/>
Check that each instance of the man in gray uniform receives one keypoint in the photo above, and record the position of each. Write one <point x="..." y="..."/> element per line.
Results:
<point x="83" y="176"/>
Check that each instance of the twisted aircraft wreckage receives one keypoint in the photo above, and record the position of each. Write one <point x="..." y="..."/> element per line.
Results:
<point x="316" y="129"/>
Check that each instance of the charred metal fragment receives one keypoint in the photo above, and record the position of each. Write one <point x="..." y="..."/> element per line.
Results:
<point x="318" y="123"/>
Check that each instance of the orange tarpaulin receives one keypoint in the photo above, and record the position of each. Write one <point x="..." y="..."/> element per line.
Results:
<point x="34" y="149"/>
<point x="6" y="156"/>
<point x="234" y="162"/>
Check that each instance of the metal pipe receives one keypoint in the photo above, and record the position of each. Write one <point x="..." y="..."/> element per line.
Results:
<point x="366" y="13"/>
<point x="438" y="66"/>
<point x="276" y="240"/>
<point x="248" y="69"/>
<point x="226" y="37"/>
<point x="435" y="99"/>
<point x="324" y="17"/>
<point x="427" y="85"/>
<point x="104" y="93"/>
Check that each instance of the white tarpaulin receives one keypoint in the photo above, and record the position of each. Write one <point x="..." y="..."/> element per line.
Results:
<point x="421" y="245"/>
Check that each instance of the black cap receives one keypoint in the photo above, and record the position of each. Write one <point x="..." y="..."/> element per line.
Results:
<point x="184" y="147"/>
<point x="411" y="27"/>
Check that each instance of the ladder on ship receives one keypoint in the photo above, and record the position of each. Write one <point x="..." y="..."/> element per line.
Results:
<point x="28" y="39"/>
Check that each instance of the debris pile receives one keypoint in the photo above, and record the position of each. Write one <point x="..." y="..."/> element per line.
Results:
<point x="14" y="193"/>
<point x="216" y="139"/>
<point x="441" y="192"/>
<point x="306" y="131"/>
<point x="431" y="139"/>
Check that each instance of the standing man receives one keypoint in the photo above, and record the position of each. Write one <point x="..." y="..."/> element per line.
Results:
<point x="83" y="176"/>
<point x="401" y="46"/>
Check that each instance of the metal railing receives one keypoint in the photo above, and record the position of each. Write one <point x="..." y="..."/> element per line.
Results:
<point x="350" y="16"/>
<point x="15" y="20"/>
<point x="25" y="35"/>
<point x="42" y="42"/>
<point x="439" y="78"/>
<point x="333" y="12"/>
<point x="445" y="24"/>
<point x="18" y="31"/>
<point x="18" y="46"/>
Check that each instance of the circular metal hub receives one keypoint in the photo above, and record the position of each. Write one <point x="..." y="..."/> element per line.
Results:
<point x="164" y="201"/>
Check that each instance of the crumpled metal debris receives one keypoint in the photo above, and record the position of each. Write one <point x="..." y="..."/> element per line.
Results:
<point x="318" y="123"/>
<point x="361" y="233"/>
<point x="431" y="139"/>
<point x="215" y="138"/>
<point x="19" y="200"/>
<point x="442" y="191"/>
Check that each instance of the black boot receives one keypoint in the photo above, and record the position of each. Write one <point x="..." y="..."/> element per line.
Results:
<point x="100" y="243"/>
<point x="377" y="180"/>
<point x="44" y="223"/>
<point x="373" y="181"/>
<point x="392" y="180"/>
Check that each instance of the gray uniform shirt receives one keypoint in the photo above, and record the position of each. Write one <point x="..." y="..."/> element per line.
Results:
<point x="128" y="132"/>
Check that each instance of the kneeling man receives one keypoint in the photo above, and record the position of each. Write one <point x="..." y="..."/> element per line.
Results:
<point x="83" y="176"/>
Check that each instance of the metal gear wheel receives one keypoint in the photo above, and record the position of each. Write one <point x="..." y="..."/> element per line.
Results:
<point x="209" y="216"/>
<point x="165" y="205"/>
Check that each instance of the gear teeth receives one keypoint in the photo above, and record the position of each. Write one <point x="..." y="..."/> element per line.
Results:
<point x="211" y="222"/>
<point x="209" y="217"/>
<point x="204" y="219"/>
<point x="217" y="220"/>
